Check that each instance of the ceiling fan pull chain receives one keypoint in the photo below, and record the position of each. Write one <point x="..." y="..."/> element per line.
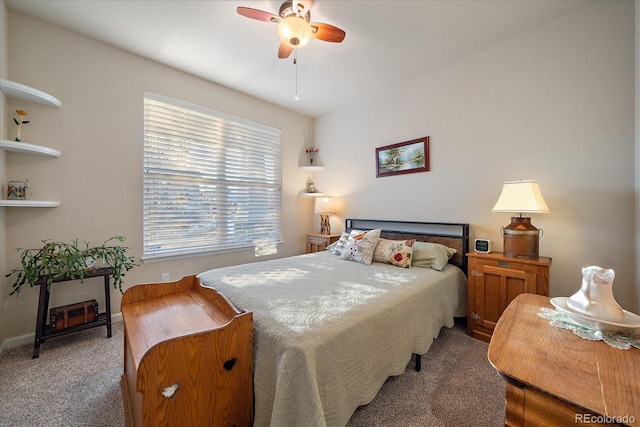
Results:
<point x="295" y="63"/>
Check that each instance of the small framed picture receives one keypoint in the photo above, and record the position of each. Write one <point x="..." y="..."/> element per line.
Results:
<point x="404" y="157"/>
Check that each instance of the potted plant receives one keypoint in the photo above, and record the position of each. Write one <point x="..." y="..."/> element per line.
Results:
<point x="59" y="259"/>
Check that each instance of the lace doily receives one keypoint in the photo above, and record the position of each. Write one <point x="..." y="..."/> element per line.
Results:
<point x="623" y="340"/>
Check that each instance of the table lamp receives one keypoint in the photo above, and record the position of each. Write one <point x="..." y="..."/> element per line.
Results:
<point x="521" y="238"/>
<point x="325" y="206"/>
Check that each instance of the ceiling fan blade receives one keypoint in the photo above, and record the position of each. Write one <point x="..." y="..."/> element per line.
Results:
<point x="284" y="51"/>
<point x="327" y="33"/>
<point x="260" y="15"/>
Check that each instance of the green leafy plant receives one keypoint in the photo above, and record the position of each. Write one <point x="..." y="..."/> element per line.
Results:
<point x="59" y="259"/>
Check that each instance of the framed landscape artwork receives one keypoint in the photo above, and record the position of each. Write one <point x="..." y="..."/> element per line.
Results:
<point x="404" y="157"/>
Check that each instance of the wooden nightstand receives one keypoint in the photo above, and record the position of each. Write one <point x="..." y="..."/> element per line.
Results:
<point x="317" y="242"/>
<point x="494" y="280"/>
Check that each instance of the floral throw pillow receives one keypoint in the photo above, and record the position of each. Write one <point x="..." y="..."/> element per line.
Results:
<point x="360" y="248"/>
<point x="396" y="252"/>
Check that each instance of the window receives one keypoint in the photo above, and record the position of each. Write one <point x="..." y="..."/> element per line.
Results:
<point x="212" y="182"/>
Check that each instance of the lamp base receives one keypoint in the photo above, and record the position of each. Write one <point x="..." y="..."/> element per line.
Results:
<point x="521" y="239"/>
<point x="325" y="225"/>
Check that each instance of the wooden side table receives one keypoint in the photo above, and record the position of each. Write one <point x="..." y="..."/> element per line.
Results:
<point x="44" y="331"/>
<point x="555" y="378"/>
<point x="317" y="242"/>
<point x="494" y="280"/>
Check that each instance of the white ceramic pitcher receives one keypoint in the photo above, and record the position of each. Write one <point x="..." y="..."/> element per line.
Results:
<point x="595" y="297"/>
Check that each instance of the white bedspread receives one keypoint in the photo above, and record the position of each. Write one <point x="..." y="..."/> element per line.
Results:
<point x="329" y="332"/>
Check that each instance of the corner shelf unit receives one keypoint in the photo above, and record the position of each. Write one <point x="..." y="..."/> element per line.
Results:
<point x="22" y="92"/>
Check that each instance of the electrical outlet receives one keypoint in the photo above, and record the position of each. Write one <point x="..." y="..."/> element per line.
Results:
<point x="165" y="277"/>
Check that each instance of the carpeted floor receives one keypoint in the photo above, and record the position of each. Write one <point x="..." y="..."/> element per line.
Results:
<point x="75" y="382"/>
<point x="457" y="387"/>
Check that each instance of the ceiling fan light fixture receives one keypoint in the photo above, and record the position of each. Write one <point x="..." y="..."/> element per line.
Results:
<point x="294" y="31"/>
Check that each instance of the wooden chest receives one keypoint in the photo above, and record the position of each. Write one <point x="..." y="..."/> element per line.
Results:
<point x="73" y="315"/>
<point x="188" y="357"/>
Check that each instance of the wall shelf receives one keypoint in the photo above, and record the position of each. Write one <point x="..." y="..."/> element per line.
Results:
<point x="311" y="168"/>
<point x="23" y="147"/>
<point x="26" y="93"/>
<point x="29" y="203"/>
<point x="305" y="194"/>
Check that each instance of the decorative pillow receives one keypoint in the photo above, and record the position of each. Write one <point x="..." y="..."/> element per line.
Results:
<point x="339" y="245"/>
<point x="360" y="248"/>
<point x="396" y="252"/>
<point x="431" y="255"/>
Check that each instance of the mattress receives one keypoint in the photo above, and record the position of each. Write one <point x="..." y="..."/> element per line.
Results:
<point x="329" y="332"/>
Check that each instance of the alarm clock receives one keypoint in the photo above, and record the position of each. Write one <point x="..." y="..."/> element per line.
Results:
<point x="483" y="245"/>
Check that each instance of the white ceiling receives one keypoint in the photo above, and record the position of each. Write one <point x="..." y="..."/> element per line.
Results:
<point x="387" y="42"/>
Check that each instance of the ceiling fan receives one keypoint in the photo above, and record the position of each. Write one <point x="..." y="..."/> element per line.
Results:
<point x="294" y="27"/>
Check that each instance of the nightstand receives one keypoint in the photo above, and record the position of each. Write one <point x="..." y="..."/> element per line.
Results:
<point x="317" y="242"/>
<point x="494" y="280"/>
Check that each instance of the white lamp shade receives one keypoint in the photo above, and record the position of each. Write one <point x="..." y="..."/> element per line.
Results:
<point x="521" y="197"/>
<point x="294" y="31"/>
<point x="325" y="205"/>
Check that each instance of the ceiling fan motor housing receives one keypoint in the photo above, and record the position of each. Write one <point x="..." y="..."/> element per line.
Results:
<point x="286" y="9"/>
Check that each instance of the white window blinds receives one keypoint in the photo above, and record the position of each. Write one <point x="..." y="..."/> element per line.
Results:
<point x="211" y="182"/>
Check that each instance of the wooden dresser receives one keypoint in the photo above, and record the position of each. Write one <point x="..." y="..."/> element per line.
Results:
<point x="555" y="378"/>
<point x="494" y="280"/>
<point x="188" y="357"/>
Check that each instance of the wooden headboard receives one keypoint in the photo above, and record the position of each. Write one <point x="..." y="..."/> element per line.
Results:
<point x="453" y="235"/>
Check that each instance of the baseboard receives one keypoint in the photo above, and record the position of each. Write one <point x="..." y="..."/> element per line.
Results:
<point x="28" y="338"/>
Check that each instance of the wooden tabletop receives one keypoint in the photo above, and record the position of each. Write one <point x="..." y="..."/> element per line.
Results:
<point x="526" y="349"/>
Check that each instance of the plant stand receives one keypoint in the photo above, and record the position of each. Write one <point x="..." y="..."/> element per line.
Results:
<point x="44" y="331"/>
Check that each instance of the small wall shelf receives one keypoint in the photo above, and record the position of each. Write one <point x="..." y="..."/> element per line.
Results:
<point x="29" y="203"/>
<point x="23" y="147"/>
<point x="311" y="168"/>
<point x="26" y="93"/>
<point x="305" y="194"/>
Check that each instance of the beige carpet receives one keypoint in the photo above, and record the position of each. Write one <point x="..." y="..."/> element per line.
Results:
<point x="75" y="382"/>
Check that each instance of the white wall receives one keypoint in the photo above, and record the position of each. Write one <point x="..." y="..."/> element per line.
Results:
<point x="555" y="104"/>
<point x="98" y="179"/>
<point x="4" y="47"/>
<point x="637" y="157"/>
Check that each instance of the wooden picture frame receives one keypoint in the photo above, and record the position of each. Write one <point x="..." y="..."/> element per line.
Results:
<point x="402" y="158"/>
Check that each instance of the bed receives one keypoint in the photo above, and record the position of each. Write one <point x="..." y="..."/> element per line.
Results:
<point x="328" y="332"/>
